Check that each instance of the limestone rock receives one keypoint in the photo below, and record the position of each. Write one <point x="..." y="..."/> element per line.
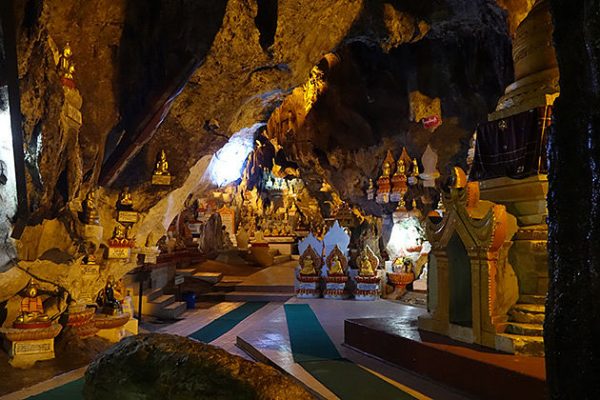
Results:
<point x="160" y="366"/>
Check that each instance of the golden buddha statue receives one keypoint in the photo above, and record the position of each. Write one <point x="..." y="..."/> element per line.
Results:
<point x="365" y="266"/>
<point x="125" y="200"/>
<point x="415" y="170"/>
<point x="162" y="165"/>
<point x="383" y="182"/>
<point x="335" y="268"/>
<point x="308" y="267"/>
<point x="32" y="308"/>
<point x="91" y="216"/>
<point x="65" y="65"/>
<point x="120" y="232"/>
<point x="399" y="186"/>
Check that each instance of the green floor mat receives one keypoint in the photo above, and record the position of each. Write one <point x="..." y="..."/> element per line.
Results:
<point x="349" y="381"/>
<point x="315" y="352"/>
<point x="69" y="391"/>
<point x="309" y="341"/>
<point x="226" y="322"/>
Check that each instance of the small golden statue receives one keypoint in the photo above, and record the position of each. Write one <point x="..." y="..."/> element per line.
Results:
<point x="120" y="232"/>
<point x="308" y="267"/>
<point x="415" y="170"/>
<point x="161" y="174"/>
<point x="365" y="267"/>
<point x="335" y="268"/>
<point x="310" y="263"/>
<point x="66" y="67"/>
<point x="125" y="200"/>
<point x="32" y="308"/>
<point x="162" y="165"/>
<point x="91" y="216"/>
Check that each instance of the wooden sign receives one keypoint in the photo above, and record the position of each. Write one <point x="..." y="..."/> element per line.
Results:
<point x="130" y="217"/>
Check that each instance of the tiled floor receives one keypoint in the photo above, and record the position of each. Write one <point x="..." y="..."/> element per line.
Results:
<point x="268" y="341"/>
<point x="265" y="335"/>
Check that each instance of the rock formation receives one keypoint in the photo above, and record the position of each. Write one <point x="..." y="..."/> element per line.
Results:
<point x="339" y="76"/>
<point x="153" y="366"/>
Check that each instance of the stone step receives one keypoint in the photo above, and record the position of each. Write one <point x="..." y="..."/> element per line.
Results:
<point x="186" y="271"/>
<point x="155" y="306"/>
<point x="520" y="345"/>
<point x="532" y="299"/>
<point x="530" y="308"/>
<point x="525" y="317"/>
<point x="517" y="328"/>
<point x="172" y="311"/>
<point x="148" y="295"/>
<point x="280" y="259"/>
<point x="265" y="288"/>
<point x="245" y="296"/>
<point x="210" y="277"/>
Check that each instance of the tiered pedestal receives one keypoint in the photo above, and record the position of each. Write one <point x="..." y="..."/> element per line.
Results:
<point x="367" y="287"/>
<point x="335" y="287"/>
<point x="111" y="327"/>
<point x="82" y="322"/>
<point x="309" y="287"/>
<point x="27" y="346"/>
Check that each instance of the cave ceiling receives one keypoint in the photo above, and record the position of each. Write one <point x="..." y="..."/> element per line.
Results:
<point x="225" y="65"/>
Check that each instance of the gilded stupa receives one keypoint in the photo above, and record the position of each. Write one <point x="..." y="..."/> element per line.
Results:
<point x="536" y="69"/>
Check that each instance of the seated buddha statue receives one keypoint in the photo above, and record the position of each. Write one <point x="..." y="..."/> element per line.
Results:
<point x="399" y="181"/>
<point x="110" y="305"/>
<point x="308" y="267"/>
<point x="32" y="308"/>
<point x="366" y="267"/>
<point x="162" y="165"/>
<point x="125" y="200"/>
<point x="336" y="266"/>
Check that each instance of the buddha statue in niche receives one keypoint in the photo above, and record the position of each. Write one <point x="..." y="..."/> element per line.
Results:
<point x="308" y="267"/>
<point x="365" y="266"/>
<point x="335" y="267"/>
<point x="162" y="165"/>
<point x="125" y="200"/>
<point x="399" y="180"/>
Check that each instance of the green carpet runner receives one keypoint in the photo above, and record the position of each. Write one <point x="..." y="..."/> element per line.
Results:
<point x="218" y="327"/>
<point x="315" y="352"/>
<point x="226" y="322"/>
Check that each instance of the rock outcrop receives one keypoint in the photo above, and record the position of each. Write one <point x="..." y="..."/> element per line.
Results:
<point x="160" y="366"/>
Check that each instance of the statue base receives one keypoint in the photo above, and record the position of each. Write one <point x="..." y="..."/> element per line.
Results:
<point x="27" y="346"/>
<point x="24" y="354"/>
<point x="367" y="288"/>
<point x="119" y="252"/>
<point x="308" y="287"/>
<point x="128" y="217"/>
<point x="335" y="288"/>
<point x="161" y="180"/>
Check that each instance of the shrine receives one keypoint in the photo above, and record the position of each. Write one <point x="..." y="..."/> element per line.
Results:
<point x="296" y="200"/>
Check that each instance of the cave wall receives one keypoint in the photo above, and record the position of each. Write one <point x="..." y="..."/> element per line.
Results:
<point x="228" y="65"/>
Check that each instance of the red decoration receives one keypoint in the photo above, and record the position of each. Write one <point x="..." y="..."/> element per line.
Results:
<point x="431" y="122"/>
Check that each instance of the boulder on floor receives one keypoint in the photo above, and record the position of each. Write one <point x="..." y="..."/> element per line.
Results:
<point x="161" y="366"/>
